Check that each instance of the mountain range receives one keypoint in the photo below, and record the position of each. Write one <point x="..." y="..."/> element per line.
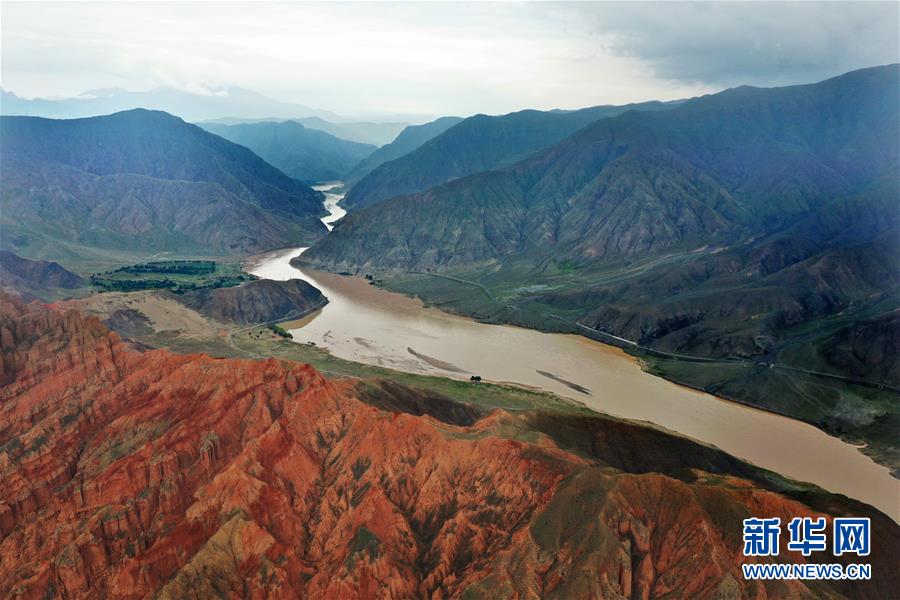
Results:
<point x="301" y="153"/>
<point x="754" y="225"/>
<point x="141" y="182"/>
<point x="475" y="144"/>
<point x="191" y="106"/>
<point x="364" y="132"/>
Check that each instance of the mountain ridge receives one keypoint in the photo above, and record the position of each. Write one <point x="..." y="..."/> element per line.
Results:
<point x="144" y="180"/>
<point x="188" y="105"/>
<point x="408" y="140"/>
<point x="475" y="144"/>
<point x="130" y="470"/>
<point x="301" y="153"/>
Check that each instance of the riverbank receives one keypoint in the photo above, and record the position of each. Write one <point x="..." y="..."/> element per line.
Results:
<point x="862" y="415"/>
<point x="390" y="323"/>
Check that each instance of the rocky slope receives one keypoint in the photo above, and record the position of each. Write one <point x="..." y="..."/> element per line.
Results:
<point x="144" y="181"/>
<point x="304" y="154"/>
<point x="409" y="139"/>
<point x="476" y="144"/>
<point x="258" y="301"/>
<point x="35" y="276"/>
<point x="130" y="474"/>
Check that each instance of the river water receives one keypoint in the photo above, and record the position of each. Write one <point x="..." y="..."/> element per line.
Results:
<point x="373" y="326"/>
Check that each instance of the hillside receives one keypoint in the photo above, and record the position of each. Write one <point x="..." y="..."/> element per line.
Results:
<point x="254" y="302"/>
<point x="35" y="277"/>
<point x="129" y="472"/>
<point x="753" y="225"/>
<point x="409" y="139"/>
<point x="144" y="181"/>
<point x="476" y="144"/>
<point x="301" y="153"/>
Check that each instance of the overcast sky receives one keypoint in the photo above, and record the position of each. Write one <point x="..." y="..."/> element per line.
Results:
<point x="438" y="59"/>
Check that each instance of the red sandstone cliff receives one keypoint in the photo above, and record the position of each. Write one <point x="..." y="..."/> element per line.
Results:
<point x="129" y="474"/>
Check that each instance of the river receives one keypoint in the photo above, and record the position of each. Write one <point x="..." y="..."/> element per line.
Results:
<point x="373" y="326"/>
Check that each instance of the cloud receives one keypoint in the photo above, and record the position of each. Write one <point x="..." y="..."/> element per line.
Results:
<point x="768" y="43"/>
<point x="439" y="58"/>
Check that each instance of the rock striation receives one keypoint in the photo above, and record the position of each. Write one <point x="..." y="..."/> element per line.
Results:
<point x="139" y="474"/>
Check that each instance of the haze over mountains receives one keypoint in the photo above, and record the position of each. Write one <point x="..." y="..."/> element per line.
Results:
<point x="227" y="101"/>
<point x="409" y="139"/>
<point x="227" y="105"/>
<point x="304" y="154"/>
<point x="476" y="144"/>
<point x="144" y="181"/>
<point x="364" y="132"/>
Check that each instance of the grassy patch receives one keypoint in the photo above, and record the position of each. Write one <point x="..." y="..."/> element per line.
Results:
<point x="176" y="275"/>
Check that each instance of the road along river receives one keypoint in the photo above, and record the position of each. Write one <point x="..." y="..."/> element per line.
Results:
<point x="373" y="326"/>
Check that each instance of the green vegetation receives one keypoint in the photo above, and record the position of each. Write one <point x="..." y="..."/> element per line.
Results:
<point x="179" y="267"/>
<point x="280" y="331"/>
<point x="178" y="276"/>
<point x="364" y="542"/>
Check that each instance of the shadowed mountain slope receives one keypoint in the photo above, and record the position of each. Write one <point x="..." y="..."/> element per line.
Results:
<point x="409" y="139"/>
<point x="304" y="154"/>
<point x="28" y="275"/>
<point x="477" y="144"/>
<point x="134" y="474"/>
<point x="145" y="181"/>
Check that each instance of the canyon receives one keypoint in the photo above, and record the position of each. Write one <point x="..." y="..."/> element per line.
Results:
<point x="136" y="473"/>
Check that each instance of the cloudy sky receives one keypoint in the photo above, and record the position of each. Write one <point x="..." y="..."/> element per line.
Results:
<point x="440" y="58"/>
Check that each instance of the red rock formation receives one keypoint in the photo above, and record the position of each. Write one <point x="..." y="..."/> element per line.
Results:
<point x="129" y="474"/>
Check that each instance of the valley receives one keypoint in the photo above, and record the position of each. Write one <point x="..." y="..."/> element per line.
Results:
<point x="744" y="242"/>
<point x="365" y="324"/>
<point x="571" y="301"/>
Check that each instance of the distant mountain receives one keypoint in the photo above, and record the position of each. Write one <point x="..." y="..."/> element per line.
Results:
<point x="305" y="154"/>
<point x="144" y="181"/>
<point x="189" y="106"/>
<point x="365" y="132"/>
<point x="756" y="224"/>
<point x="476" y="144"/>
<point x="409" y="139"/>
<point x="35" y="277"/>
